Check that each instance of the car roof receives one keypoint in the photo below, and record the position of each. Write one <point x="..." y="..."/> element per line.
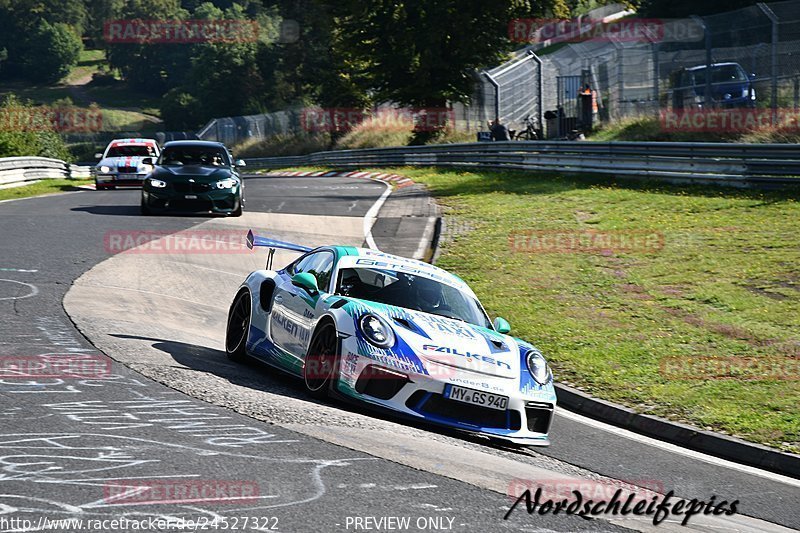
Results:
<point x="701" y="67"/>
<point x="209" y="144"/>
<point x="135" y="140"/>
<point x="367" y="258"/>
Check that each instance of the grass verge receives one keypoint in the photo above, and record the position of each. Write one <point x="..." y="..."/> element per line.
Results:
<point x="650" y="129"/>
<point x="42" y="187"/>
<point x="703" y="328"/>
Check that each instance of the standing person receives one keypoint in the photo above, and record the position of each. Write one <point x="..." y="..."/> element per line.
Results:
<point x="499" y="131"/>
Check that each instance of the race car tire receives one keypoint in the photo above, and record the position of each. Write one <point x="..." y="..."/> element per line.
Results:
<point x="238" y="327"/>
<point x="321" y="362"/>
<point x="143" y="209"/>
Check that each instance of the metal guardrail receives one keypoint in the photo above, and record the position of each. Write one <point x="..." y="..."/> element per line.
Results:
<point x="17" y="170"/>
<point x="741" y="165"/>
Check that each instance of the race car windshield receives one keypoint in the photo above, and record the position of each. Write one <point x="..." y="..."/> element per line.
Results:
<point x="131" y="151"/>
<point x="193" y="155"/>
<point x="392" y="287"/>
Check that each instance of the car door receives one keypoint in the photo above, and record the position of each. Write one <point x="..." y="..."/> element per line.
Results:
<point x="294" y="309"/>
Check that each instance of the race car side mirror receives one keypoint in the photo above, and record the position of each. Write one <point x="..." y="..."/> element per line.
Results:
<point x="147" y="161"/>
<point x="98" y="155"/>
<point x="306" y="281"/>
<point x="240" y="163"/>
<point x="501" y="325"/>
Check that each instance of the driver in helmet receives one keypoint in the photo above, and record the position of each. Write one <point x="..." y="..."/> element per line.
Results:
<point x="429" y="295"/>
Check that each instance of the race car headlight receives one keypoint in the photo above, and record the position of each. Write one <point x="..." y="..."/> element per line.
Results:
<point x="376" y="330"/>
<point x="105" y="170"/>
<point x="539" y="368"/>
<point x="228" y="183"/>
<point x="157" y="184"/>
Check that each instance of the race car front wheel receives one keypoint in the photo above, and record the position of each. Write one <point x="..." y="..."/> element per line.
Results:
<point x="320" y="366"/>
<point x="238" y="326"/>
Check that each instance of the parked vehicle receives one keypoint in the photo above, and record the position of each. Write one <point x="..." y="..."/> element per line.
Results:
<point x="731" y="86"/>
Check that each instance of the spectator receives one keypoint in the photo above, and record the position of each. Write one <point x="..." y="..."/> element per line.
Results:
<point x="499" y="131"/>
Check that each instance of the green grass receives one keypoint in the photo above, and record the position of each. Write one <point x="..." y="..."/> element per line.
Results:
<point x="726" y="284"/>
<point x="42" y="187"/>
<point x="89" y="62"/>
<point x="649" y="129"/>
<point x="123" y="108"/>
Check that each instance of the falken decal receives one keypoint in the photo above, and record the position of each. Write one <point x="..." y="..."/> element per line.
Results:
<point x="467" y="355"/>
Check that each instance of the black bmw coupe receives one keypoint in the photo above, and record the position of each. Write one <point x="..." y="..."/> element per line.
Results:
<point x="194" y="177"/>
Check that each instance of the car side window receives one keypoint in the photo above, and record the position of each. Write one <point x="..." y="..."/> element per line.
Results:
<point x="320" y="264"/>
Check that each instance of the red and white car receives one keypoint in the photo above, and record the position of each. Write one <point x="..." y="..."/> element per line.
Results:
<point x="121" y="162"/>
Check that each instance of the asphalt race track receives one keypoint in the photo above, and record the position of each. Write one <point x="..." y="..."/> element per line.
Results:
<point x="174" y="408"/>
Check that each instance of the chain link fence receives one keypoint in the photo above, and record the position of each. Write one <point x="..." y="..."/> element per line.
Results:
<point x="754" y="54"/>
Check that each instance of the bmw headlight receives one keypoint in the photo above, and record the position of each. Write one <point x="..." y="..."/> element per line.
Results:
<point x="538" y="368"/>
<point x="227" y="183"/>
<point x="105" y="169"/>
<point x="376" y="330"/>
<point x="158" y="184"/>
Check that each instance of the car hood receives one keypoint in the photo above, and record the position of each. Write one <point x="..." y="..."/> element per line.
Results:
<point x="734" y="89"/>
<point x="444" y="342"/>
<point x="200" y="173"/>
<point x="118" y="162"/>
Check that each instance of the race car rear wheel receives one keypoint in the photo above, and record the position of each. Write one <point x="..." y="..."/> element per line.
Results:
<point x="320" y="367"/>
<point x="238" y="326"/>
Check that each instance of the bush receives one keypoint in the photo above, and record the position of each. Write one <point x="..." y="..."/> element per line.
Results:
<point x="50" y="52"/>
<point x="181" y="110"/>
<point x="283" y="144"/>
<point x="30" y="140"/>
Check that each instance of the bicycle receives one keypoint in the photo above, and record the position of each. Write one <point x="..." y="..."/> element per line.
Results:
<point x="529" y="133"/>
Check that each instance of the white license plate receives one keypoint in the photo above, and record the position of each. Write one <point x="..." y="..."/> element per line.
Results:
<point x="191" y="197"/>
<point x="476" y="397"/>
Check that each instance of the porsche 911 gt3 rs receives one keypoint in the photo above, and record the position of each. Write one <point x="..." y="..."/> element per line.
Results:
<point x="394" y="333"/>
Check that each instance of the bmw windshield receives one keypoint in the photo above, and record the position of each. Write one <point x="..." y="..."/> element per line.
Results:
<point x="194" y="155"/>
<point x="410" y="291"/>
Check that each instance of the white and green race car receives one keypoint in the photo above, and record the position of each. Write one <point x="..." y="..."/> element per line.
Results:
<point x="393" y="333"/>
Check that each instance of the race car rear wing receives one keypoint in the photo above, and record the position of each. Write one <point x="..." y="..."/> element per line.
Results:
<point x="255" y="240"/>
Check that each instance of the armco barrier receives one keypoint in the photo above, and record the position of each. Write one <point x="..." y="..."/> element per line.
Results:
<point x="741" y="165"/>
<point x="15" y="170"/>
